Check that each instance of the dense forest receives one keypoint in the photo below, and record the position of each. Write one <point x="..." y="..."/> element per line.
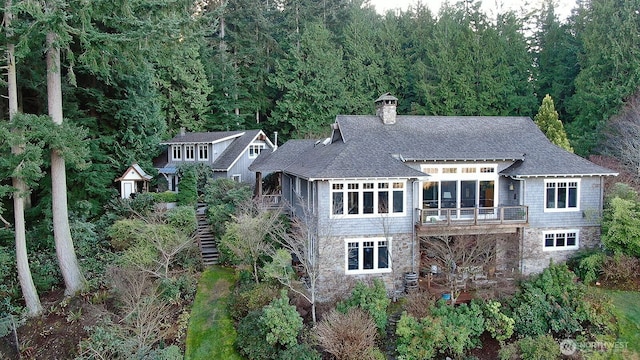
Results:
<point x="135" y="72"/>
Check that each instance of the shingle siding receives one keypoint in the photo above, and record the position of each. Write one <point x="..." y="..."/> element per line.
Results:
<point x="587" y="215"/>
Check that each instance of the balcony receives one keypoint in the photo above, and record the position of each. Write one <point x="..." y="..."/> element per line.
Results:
<point x="466" y="221"/>
<point x="271" y="201"/>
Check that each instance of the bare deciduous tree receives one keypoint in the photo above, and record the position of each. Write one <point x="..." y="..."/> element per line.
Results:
<point x="301" y="242"/>
<point x="623" y="135"/>
<point x="458" y="256"/>
<point x="246" y="235"/>
<point x="145" y="315"/>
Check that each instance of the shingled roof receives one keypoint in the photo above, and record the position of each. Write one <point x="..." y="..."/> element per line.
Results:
<point x="202" y="137"/>
<point x="242" y="139"/>
<point x="366" y="147"/>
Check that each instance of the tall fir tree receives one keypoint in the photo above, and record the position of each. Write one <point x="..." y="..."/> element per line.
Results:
<point x="310" y="81"/>
<point x="556" y="58"/>
<point x="29" y="291"/>
<point x="609" y="31"/>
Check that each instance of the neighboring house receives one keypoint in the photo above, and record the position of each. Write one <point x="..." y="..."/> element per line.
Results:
<point x="382" y="186"/>
<point x="228" y="153"/>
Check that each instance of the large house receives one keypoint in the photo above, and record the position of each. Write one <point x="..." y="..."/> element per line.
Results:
<point x="381" y="186"/>
<point x="228" y="153"/>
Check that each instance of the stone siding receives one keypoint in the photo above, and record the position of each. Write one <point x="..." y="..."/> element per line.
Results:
<point x="535" y="258"/>
<point x="335" y="284"/>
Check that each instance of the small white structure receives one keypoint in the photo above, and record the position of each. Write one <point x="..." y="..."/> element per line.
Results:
<point x="131" y="180"/>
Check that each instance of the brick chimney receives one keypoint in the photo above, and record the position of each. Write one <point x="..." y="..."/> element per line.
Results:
<point x="386" y="108"/>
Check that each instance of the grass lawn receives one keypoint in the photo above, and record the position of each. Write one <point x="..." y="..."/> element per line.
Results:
<point x="211" y="333"/>
<point x="627" y="311"/>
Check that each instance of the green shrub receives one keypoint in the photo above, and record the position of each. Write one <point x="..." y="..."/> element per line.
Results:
<point x="177" y="290"/>
<point x="553" y="302"/>
<point x="165" y="197"/>
<point x="300" y="352"/>
<point x="416" y="341"/>
<point x="621" y="227"/>
<point x="372" y="299"/>
<point x="266" y="333"/>
<point x="499" y="325"/>
<point x="125" y="233"/>
<point x="448" y="331"/>
<point x="183" y="218"/>
<point x="282" y="321"/>
<point x="92" y="251"/>
<point x="542" y="347"/>
<point x="251" y="341"/>
<point x="9" y="287"/>
<point x="588" y="264"/>
<point x="222" y="196"/>
<point x="188" y="186"/>
<point x="44" y="270"/>
<point x="251" y="297"/>
<point x="142" y="204"/>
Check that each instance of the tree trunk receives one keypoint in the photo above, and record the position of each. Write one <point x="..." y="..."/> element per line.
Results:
<point x="73" y="279"/>
<point x="29" y="292"/>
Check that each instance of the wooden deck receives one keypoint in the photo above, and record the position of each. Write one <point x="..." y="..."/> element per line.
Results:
<point x="468" y="221"/>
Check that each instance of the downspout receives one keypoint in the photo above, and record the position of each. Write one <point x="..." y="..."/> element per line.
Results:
<point x="413" y="226"/>
<point x="521" y="201"/>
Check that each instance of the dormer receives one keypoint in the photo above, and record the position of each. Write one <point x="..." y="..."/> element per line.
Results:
<point x="386" y="108"/>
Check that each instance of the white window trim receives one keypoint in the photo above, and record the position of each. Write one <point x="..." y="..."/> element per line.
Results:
<point x="560" y="248"/>
<point x="460" y="176"/>
<point x="360" y="190"/>
<point x="252" y="153"/>
<point x="238" y="176"/>
<point x="566" y="209"/>
<point x="176" y="149"/>
<point x="186" y="149"/>
<point x="361" y="241"/>
<point x="206" y="151"/>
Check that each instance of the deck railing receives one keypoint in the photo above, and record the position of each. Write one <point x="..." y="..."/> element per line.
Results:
<point x="474" y="216"/>
<point x="271" y="201"/>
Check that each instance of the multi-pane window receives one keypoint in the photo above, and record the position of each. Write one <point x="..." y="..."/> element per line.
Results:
<point x="176" y="152"/>
<point x="464" y="186"/>
<point x="203" y="152"/>
<point x="561" y="240"/>
<point x="189" y="152"/>
<point x="255" y="149"/>
<point x="367" y="198"/>
<point x="368" y="255"/>
<point x="561" y="195"/>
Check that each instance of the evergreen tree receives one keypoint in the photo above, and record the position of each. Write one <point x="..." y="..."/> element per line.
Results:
<point x="73" y="278"/>
<point x="609" y="67"/>
<point x="29" y="292"/>
<point x="363" y="61"/>
<point x="310" y="81"/>
<point x="548" y="121"/>
<point x="556" y="58"/>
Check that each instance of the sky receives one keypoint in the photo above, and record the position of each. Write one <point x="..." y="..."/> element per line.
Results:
<point x="564" y="6"/>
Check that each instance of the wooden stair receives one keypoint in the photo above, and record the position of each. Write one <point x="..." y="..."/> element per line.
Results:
<point x="206" y="241"/>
